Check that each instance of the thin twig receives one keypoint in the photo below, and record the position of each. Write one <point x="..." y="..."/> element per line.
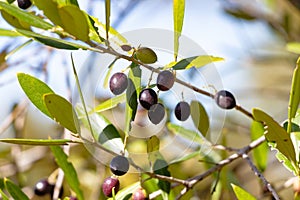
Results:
<point x="261" y="176"/>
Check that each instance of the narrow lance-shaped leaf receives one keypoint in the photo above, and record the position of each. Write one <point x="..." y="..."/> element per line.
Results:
<point x="37" y="142"/>
<point x="196" y="61"/>
<point x="3" y="195"/>
<point x="278" y="136"/>
<point x="13" y="21"/>
<point x="74" y="21"/>
<point x="35" y="89"/>
<point x="132" y="92"/>
<point x="161" y="167"/>
<point x="294" y="95"/>
<point x="200" y="117"/>
<point x="242" y="194"/>
<point x="14" y="190"/>
<point x="9" y="33"/>
<point x="260" y="153"/>
<point x="178" y="16"/>
<point x="62" y="112"/>
<point x="127" y="191"/>
<point x="27" y="17"/>
<point x="52" y="42"/>
<point x="68" y="169"/>
<point x="107" y="18"/>
<point x="110" y="103"/>
<point x="50" y="10"/>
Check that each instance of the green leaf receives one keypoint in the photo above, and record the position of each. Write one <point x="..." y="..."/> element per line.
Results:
<point x="110" y="103"/>
<point x="295" y="136"/>
<point x="13" y="21"/>
<point x="68" y="169"/>
<point x="187" y="134"/>
<point x="132" y="92"/>
<point x="161" y="167"/>
<point x="9" y="33"/>
<point x="107" y="18"/>
<point x="107" y="76"/>
<point x="50" y="10"/>
<point x="14" y="190"/>
<point x="178" y="16"/>
<point x="260" y="153"/>
<point x="67" y="2"/>
<point x="3" y="195"/>
<point x="104" y="131"/>
<point x="35" y="89"/>
<point x="62" y="111"/>
<point x="114" y="35"/>
<point x="150" y="185"/>
<point x="294" y="96"/>
<point x="24" y="16"/>
<point x="74" y="21"/>
<point x="153" y="149"/>
<point x="196" y="61"/>
<point x="36" y="142"/>
<point x="122" y="194"/>
<point x="94" y="32"/>
<point x="277" y="135"/>
<point x="241" y="194"/>
<point x="52" y="42"/>
<point x="293" y="47"/>
<point x="200" y="117"/>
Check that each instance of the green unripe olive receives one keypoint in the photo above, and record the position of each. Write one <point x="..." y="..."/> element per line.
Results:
<point x="146" y="55"/>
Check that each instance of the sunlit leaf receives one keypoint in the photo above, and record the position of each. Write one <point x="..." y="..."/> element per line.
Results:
<point x="13" y="21"/>
<point x="187" y="134"/>
<point x="178" y="16"/>
<point x="150" y="185"/>
<point x="200" y="117"/>
<point x="94" y="31"/>
<point x="260" y="153"/>
<point x="9" y="33"/>
<point x="50" y="10"/>
<point x="110" y="67"/>
<point x="196" y="61"/>
<point x="71" y="175"/>
<point x="14" y="190"/>
<point x="62" y="112"/>
<point x="37" y="142"/>
<point x="295" y="136"/>
<point x="125" y="192"/>
<point x="107" y="17"/>
<point x="293" y="47"/>
<point x="104" y="131"/>
<point x="27" y="17"/>
<point x="3" y="195"/>
<point x="35" y="89"/>
<point x="278" y="136"/>
<point x="67" y="2"/>
<point x="113" y="34"/>
<point x="294" y="96"/>
<point x="110" y="103"/>
<point x="52" y="42"/>
<point x="74" y="21"/>
<point x="242" y="194"/>
<point x="153" y="149"/>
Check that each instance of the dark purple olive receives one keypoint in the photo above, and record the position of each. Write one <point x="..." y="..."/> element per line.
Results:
<point x="24" y="4"/>
<point x="165" y="80"/>
<point x="182" y="111"/>
<point x="118" y="83"/>
<point x="43" y="187"/>
<point x="147" y="98"/>
<point x="119" y="165"/>
<point x="225" y="99"/>
<point x="109" y="184"/>
<point x="156" y="113"/>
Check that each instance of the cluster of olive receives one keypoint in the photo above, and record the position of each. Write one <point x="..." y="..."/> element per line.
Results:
<point x="44" y="188"/>
<point x="148" y="97"/>
<point x="119" y="166"/>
